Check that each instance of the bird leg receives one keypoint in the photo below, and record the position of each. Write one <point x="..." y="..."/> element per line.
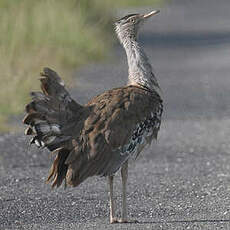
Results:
<point x="124" y="177"/>
<point x="111" y="201"/>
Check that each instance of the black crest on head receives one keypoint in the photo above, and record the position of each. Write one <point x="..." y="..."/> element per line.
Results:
<point x="126" y="17"/>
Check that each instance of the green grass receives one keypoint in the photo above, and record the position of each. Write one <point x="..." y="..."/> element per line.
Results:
<point x="60" y="34"/>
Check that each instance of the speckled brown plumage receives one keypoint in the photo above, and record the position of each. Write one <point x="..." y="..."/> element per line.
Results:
<point x="108" y="128"/>
<point x="91" y="138"/>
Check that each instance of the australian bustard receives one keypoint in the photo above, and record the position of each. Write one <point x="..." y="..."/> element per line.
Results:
<point x="100" y="137"/>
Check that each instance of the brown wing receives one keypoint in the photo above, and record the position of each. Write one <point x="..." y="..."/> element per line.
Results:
<point x="111" y="130"/>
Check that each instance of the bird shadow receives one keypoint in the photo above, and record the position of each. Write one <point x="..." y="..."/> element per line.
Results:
<point x="183" y="221"/>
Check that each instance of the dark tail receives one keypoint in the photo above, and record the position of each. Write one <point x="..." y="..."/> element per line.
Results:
<point x="51" y="118"/>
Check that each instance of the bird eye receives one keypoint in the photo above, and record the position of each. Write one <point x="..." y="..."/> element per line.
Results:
<point x="132" y="20"/>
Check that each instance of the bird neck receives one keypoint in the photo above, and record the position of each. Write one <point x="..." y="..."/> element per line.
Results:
<point x="140" y="70"/>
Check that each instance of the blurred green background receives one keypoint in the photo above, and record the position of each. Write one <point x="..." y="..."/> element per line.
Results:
<point x="59" y="34"/>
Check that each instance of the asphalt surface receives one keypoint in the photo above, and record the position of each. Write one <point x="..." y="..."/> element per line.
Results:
<point x="182" y="181"/>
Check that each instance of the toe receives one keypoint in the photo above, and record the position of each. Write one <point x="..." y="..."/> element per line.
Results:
<point x="127" y="221"/>
<point x="114" y="220"/>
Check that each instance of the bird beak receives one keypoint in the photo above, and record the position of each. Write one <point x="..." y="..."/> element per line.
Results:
<point x="144" y="16"/>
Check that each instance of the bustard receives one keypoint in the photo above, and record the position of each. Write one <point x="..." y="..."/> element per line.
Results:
<point x="100" y="137"/>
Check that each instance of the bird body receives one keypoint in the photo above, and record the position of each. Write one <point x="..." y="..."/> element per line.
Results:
<point x="100" y="137"/>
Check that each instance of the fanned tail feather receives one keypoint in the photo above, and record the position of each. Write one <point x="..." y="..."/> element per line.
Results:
<point x="59" y="168"/>
<point x="51" y="117"/>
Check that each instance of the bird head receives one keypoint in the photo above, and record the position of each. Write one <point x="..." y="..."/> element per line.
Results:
<point x="128" y="26"/>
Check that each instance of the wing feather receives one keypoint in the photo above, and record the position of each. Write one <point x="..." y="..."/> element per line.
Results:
<point x="109" y="129"/>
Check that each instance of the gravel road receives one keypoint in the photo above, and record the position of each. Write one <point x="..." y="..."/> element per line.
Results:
<point x="182" y="181"/>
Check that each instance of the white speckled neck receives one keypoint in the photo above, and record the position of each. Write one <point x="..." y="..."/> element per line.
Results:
<point x="140" y="70"/>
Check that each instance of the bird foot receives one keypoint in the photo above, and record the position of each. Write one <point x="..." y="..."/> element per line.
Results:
<point x="121" y="220"/>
